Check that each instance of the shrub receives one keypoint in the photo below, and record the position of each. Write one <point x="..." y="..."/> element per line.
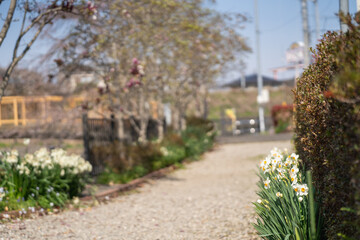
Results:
<point x="44" y="178"/>
<point x="283" y="207"/>
<point x="147" y="157"/>
<point x="282" y="116"/>
<point x="197" y="140"/>
<point x="328" y="128"/>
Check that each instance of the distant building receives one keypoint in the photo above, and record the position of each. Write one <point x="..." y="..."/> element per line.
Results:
<point x="81" y="78"/>
<point x="251" y="81"/>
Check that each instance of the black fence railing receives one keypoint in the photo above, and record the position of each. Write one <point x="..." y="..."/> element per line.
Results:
<point x="102" y="142"/>
<point x="97" y="134"/>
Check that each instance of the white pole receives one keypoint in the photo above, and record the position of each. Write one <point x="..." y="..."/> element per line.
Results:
<point x="305" y="23"/>
<point x="317" y="18"/>
<point x="357" y="5"/>
<point x="259" y="76"/>
<point x="344" y="8"/>
<point x="243" y="81"/>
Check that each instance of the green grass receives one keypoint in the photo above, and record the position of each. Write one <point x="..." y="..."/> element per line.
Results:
<point x="73" y="146"/>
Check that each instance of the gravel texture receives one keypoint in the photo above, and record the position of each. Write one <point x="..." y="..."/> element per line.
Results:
<point x="209" y="199"/>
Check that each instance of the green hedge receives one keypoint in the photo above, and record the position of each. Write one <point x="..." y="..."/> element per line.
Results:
<point x="327" y="116"/>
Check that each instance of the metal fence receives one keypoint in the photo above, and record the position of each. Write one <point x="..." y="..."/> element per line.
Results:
<point x="102" y="143"/>
<point x="228" y="127"/>
<point x="98" y="134"/>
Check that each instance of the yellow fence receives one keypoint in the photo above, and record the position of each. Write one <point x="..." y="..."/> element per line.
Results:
<point x="22" y="110"/>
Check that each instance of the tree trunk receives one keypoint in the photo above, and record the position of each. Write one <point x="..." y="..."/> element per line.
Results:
<point x="142" y="117"/>
<point x="160" y="122"/>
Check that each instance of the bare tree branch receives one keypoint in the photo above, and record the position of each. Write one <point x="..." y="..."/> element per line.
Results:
<point x="8" y="20"/>
<point x="21" y="30"/>
<point x="16" y="59"/>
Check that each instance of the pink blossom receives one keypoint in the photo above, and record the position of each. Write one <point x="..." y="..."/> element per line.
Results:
<point x="135" y="61"/>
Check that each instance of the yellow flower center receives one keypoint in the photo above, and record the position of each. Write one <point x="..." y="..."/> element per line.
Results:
<point x="264" y="162"/>
<point x="292" y="179"/>
<point x="295" y="189"/>
<point x="266" y="184"/>
<point x="279" y="165"/>
<point x="293" y="170"/>
<point x="303" y="189"/>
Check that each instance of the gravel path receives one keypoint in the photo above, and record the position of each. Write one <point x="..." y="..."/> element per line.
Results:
<point x="209" y="199"/>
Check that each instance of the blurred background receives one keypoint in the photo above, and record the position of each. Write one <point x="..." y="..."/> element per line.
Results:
<point x="152" y="64"/>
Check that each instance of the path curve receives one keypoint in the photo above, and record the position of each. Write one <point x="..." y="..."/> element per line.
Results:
<point x="209" y="199"/>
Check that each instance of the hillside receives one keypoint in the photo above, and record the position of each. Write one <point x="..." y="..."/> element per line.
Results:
<point x="244" y="101"/>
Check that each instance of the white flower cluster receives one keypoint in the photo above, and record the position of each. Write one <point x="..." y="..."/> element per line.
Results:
<point x="10" y="157"/>
<point x="164" y="151"/>
<point x="279" y="165"/>
<point x="2" y="193"/>
<point x="43" y="159"/>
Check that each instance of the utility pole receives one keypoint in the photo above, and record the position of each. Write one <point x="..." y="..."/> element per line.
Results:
<point x="305" y="23"/>
<point x="259" y="76"/>
<point x="243" y="81"/>
<point x="317" y="18"/>
<point x="344" y="8"/>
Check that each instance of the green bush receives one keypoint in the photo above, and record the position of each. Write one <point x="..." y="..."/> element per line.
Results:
<point x="328" y="128"/>
<point x="205" y="124"/>
<point x="197" y="140"/>
<point x="142" y="158"/>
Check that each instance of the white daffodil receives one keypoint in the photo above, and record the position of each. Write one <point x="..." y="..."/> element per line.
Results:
<point x="275" y="151"/>
<point x="259" y="201"/>
<point x="293" y="179"/>
<point x="267" y="183"/>
<point x="288" y="162"/>
<point x="300" y="199"/>
<point x="303" y="190"/>
<point x="278" y="194"/>
<point x="265" y="163"/>
<point x="296" y="188"/>
<point x="294" y="157"/>
<point x="14" y="152"/>
<point x="164" y="151"/>
<point x="294" y="170"/>
<point x="280" y="175"/>
<point x="11" y="159"/>
<point x="76" y="200"/>
<point x="26" y="141"/>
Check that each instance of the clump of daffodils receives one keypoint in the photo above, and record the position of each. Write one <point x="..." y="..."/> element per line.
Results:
<point x="43" y="159"/>
<point x="279" y="166"/>
<point x="283" y="204"/>
<point x="46" y="177"/>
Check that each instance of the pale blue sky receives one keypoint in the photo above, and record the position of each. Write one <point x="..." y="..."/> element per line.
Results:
<point x="280" y="25"/>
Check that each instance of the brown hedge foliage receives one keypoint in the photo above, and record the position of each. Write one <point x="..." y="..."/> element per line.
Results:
<point x="327" y="116"/>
